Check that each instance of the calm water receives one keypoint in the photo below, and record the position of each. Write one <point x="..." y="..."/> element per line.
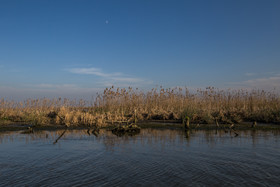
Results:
<point x="151" y="158"/>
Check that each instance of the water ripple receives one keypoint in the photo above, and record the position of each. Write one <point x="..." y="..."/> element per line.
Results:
<point x="152" y="158"/>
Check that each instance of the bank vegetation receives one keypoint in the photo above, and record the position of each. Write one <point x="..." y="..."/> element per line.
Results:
<point x="120" y="105"/>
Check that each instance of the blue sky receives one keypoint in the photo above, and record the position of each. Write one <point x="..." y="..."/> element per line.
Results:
<point x="74" y="48"/>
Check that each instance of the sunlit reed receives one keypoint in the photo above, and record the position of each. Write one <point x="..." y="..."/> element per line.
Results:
<point x="115" y="105"/>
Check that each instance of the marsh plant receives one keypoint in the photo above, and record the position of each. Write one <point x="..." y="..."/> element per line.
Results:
<point x="120" y="105"/>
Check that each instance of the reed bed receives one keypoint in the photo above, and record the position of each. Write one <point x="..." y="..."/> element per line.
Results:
<point x="118" y="105"/>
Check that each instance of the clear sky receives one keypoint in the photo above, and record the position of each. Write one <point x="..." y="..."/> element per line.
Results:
<point x="74" y="48"/>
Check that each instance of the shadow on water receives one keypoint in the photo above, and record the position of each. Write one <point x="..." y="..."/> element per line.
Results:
<point x="153" y="157"/>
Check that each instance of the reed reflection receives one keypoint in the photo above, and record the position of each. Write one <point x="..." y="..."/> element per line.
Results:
<point x="145" y="136"/>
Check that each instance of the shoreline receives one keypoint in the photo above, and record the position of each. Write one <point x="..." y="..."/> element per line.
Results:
<point x="156" y="124"/>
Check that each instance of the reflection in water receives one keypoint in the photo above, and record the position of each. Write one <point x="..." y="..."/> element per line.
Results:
<point x="187" y="134"/>
<point x="121" y="133"/>
<point x="153" y="157"/>
<point x="149" y="136"/>
<point x="60" y="136"/>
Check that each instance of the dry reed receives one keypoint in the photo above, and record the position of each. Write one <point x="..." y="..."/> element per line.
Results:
<point x="125" y="105"/>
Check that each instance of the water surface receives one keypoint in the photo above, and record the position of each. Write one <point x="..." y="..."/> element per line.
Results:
<point x="152" y="158"/>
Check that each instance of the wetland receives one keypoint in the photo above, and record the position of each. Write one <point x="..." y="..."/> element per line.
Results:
<point x="127" y="137"/>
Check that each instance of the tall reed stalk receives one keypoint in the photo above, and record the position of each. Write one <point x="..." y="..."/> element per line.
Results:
<point x="119" y="105"/>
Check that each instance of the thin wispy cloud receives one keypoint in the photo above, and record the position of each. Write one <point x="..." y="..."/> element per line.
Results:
<point x="126" y="79"/>
<point x="259" y="74"/>
<point x="92" y="71"/>
<point x="115" y="78"/>
<point x="265" y="83"/>
<point x="268" y="82"/>
<point x="53" y="86"/>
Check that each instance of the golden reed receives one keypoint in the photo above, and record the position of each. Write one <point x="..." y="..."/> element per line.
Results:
<point x="208" y="105"/>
